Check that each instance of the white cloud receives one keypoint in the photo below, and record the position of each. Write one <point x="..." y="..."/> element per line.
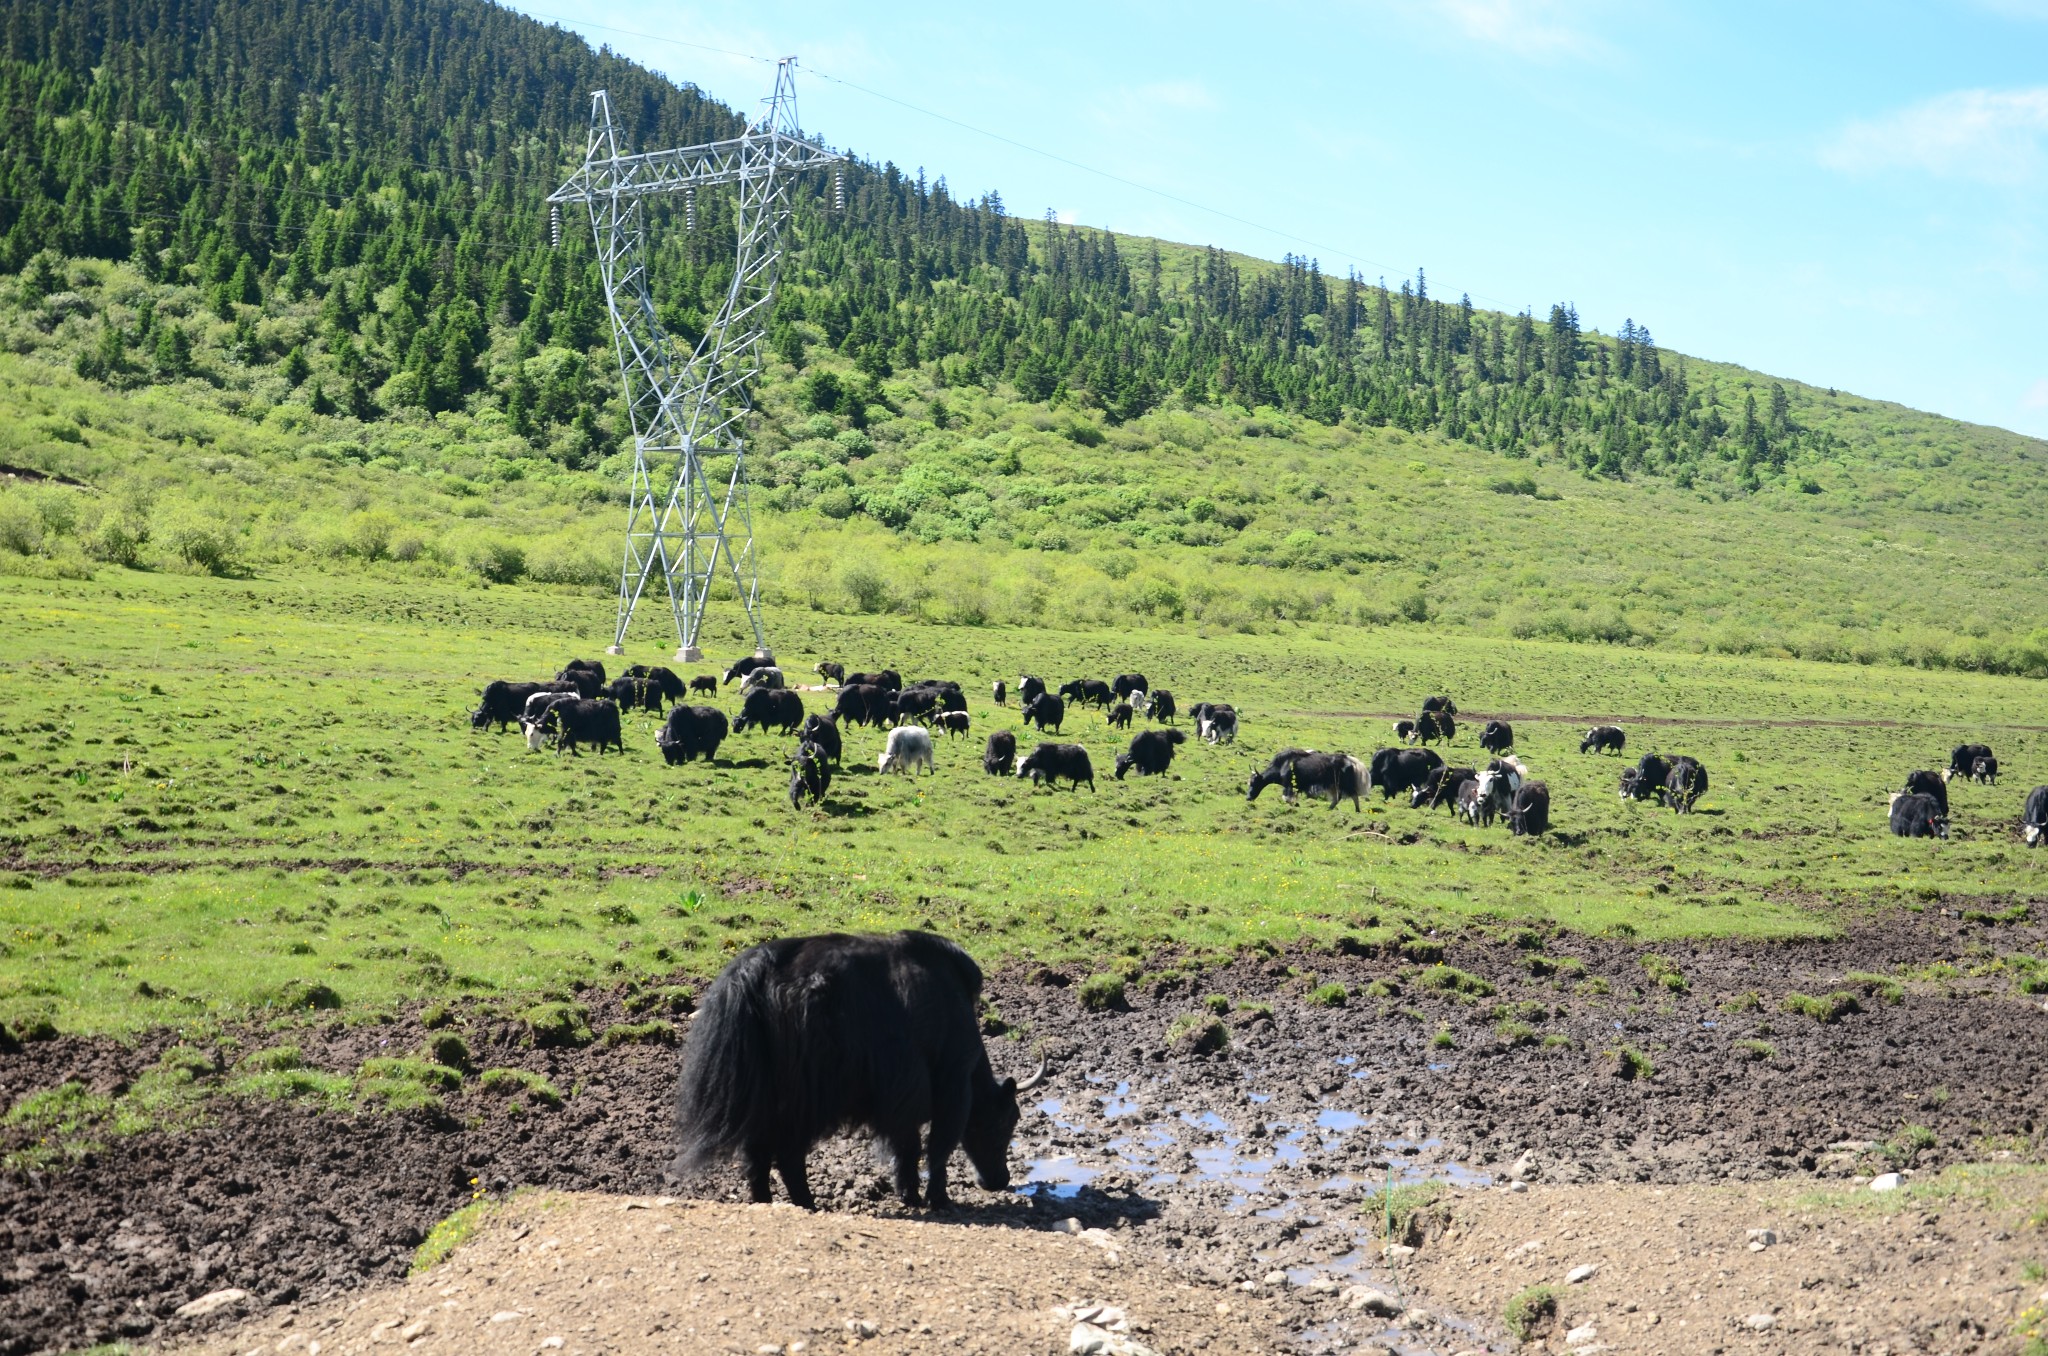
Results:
<point x="1527" y="27"/>
<point x="2036" y="397"/>
<point x="1994" y="136"/>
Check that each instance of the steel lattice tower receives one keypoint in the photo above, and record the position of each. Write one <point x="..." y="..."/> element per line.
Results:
<point x="688" y="506"/>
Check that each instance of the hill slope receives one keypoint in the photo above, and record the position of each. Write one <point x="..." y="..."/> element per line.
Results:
<point x="283" y="293"/>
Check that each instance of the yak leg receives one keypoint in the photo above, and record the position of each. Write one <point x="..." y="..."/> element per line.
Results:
<point x="789" y="1162"/>
<point x="903" y="1147"/>
<point x="949" y="1123"/>
<point x="757" y="1159"/>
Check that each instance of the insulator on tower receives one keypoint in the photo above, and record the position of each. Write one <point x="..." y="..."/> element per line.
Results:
<point x="690" y="209"/>
<point x="839" y="190"/>
<point x="555" y="224"/>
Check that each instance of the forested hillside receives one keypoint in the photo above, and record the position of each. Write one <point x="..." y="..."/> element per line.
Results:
<point x="283" y="291"/>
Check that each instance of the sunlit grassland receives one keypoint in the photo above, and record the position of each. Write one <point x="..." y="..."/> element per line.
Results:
<point x="217" y="794"/>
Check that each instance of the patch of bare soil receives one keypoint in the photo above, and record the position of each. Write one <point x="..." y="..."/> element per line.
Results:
<point x="1249" y="1164"/>
<point x="588" y="1273"/>
<point x="1750" y="1268"/>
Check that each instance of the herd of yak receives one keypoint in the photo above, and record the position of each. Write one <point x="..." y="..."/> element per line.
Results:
<point x="580" y="705"/>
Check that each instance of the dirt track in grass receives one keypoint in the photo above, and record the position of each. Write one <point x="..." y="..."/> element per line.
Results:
<point x="1218" y="1168"/>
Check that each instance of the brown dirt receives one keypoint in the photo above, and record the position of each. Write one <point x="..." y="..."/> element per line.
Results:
<point x="605" y="1274"/>
<point x="1222" y="1167"/>
<point x="1851" y="1270"/>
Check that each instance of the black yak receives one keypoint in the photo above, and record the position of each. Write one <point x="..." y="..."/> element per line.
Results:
<point x="805" y="1037"/>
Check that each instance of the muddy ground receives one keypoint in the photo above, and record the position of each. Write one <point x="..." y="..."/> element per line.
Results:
<point x="1222" y="1168"/>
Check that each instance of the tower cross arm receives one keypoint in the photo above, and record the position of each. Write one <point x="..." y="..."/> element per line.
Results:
<point x="735" y="160"/>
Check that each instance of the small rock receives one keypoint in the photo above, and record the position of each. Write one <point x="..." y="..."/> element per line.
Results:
<point x="212" y="1304"/>
<point x="506" y="1316"/>
<point x="1887" y="1181"/>
<point x="554" y="1343"/>
<point x="862" y="1328"/>
<point x="1089" y="1340"/>
<point x="1323" y="1285"/>
<point x="412" y="1332"/>
<point x="1583" y="1336"/>
<point x="1371" y="1301"/>
<point x="1276" y="1278"/>
<point x="1412" y="1318"/>
<point x="1760" y="1322"/>
<point x="1247" y="1285"/>
<point x="1523" y="1168"/>
<point x="768" y="1349"/>
<point x="1069" y="1225"/>
<point x="1518" y="1186"/>
<point x="1399" y="1252"/>
<point x="1759" y="1239"/>
<point x="1102" y="1316"/>
<point x="1582" y="1273"/>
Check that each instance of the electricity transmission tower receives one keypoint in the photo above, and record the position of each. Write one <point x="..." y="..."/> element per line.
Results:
<point x="688" y="508"/>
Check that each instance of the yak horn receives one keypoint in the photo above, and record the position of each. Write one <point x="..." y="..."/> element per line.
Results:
<point x="1037" y="1077"/>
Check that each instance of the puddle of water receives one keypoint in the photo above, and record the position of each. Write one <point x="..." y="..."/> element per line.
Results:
<point x="1207" y="1120"/>
<point x="1708" y="1023"/>
<point x="1052" y="1106"/>
<point x="1259" y="1097"/>
<point x="1438" y="1068"/>
<point x="1119" y="1103"/>
<point x="1340" y="1121"/>
<point x="1347" y="1060"/>
<point x="1058" y="1178"/>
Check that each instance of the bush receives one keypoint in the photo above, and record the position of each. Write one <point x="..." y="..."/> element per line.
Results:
<point x="492" y="558"/>
<point x="866" y="587"/>
<point x="198" y="536"/>
<point x="1101" y="993"/>
<point x="119" y="536"/>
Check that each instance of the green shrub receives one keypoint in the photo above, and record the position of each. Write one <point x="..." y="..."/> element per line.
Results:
<point x="557" y="1024"/>
<point x="1217" y="1003"/>
<point x="1515" y="1034"/>
<point x="1826" y="1009"/>
<point x="1331" y="995"/>
<point x="1531" y="1312"/>
<point x="491" y="558"/>
<point x="1198" y="1033"/>
<point x="1443" y="1039"/>
<point x="1101" y="993"/>
<point x="531" y="1087"/>
<point x="198" y="536"/>
<point x="1751" y="1001"/>
<point x="1631" y="1063"/>
<point x="448" y="1050"/>
<point x="1450" y="979"/>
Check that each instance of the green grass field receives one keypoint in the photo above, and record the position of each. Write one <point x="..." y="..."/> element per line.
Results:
<point x="219" y="795"/>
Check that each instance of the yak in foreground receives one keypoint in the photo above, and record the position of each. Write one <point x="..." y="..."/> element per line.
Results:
<point x="806" y="1037"/>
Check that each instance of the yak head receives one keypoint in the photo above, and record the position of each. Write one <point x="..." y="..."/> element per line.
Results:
<point x="992" y="1124"/>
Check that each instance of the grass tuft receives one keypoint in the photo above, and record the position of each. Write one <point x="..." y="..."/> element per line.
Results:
<point x="1531" y="1312"/>
<point x="1199" y="1033"/>
<point x="532" y="1088"/>
<point x="1331" y="995"/>
<point x="448" y="1235"/>
<point x="1827" y="1009"/>
<point x="1450" y="979"/>
<point x="1101" y="993"/>
<point x="557" y="1024"/>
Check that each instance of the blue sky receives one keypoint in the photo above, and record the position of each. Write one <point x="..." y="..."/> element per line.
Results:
<point x="1853" y="195"/>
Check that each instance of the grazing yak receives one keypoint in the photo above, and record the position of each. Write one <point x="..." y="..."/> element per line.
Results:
<point x="1604" y="739"/>
<point x="1120" y="716"/>
<point x="1646" y="778"/>
<point x="1215" y="721"/>
<point x="1917" y="816"/>
<point x="1440" y="787"/>
<point x="1684" y="784"/>
<point x="913" y="701"/>
<point x="766" y="706"/>
<point x="909" y="748"/>
<point x="590" y="666"/>
<point x="742" y="667"/>
<point x="1162" y="706"/>
<point x="1530" y="812"/>
<point x="634" y="694"/>
<point x="999" y="755"/>
<point x="1127" y="683"/>
<point x="887" y="679"/>
<point x="1326" y="776"/>
<point x="809" y="776"/>
<point x="1434" y="705"/>
<point x="505" y="702"/>
<point x="1495" y="794"/>
<point x="830" y="672"/>
<point x="1086" y="692"/>
<point x="805" y="1037"/>
<point x="1028" y="687"/>
<point x="1984" y="769"/>
<point x="691" y="732"/>
<point x="1963" y="760"/>
<point x="864" y="704"/>
<point x="1049" y="762"/>
<point x="1404" y="730"/>
<point x="1434" y="725"/>
<point x="823" y="731"/>
<point x="1497" y="737"/>
<point x="1045" y="711"/>
<point x="534" y="721"/>
<point x="2034" y="818"/>
<point x="703" y="682"/>
<point x="1002" y="692"/>
<point x="1466" y="800"/>
<point x="953" y="722"/>
<point x="1151" y="753"/>
<point x="1398" y="770"/>
<point x="1925" y="783"/>
<point x="766" y="676"/>
<point x="584" y="721"/>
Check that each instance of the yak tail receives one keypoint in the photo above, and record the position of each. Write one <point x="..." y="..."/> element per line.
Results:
<point x="724" y="1096"/>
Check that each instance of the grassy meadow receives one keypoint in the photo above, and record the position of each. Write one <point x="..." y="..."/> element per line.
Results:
<point x="219" y="796"/>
